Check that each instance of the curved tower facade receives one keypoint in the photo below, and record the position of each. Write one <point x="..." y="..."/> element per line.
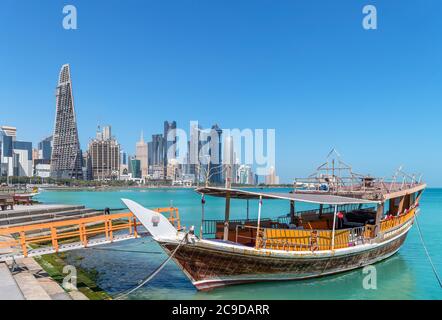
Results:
<point x="66" y="159"/>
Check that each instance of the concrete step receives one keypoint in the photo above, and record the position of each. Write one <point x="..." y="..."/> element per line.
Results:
<point x="38" y="213"/>
<point x="30" y="287"/>
<point x="9" y="289"/>
<point x="20" y="211"/>
<point x="37" y="218"/>
<point x="58" y="218"/>
<point x="52" y="288"/>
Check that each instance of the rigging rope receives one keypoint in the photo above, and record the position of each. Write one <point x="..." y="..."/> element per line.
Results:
<point x="155" y="272"/>
<point x="427" y="253"/>
<point x="130" y="251"/>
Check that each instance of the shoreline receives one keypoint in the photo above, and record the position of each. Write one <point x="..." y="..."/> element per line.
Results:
<point x="53" y="265"/>
<point x="110" y="188"/>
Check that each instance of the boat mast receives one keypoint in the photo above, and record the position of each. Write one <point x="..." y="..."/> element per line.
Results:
<point x="292" y="212"/>
<point x="334" y="228"/>
<point x="203" y="202"/>
<point x="227" y="217"/>
<point x="379" y="214"/>
<point x="259" y="221"/>
<point x="227" y="212"/>
<point x="248" y="208"/>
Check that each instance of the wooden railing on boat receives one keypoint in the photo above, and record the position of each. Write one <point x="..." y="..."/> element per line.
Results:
<point x="319" y="240"/>
<point x="216" y="227"/>
<point x="393" y="222"/>
<point x="311" y="240"/>
<point x="325" y="211"/>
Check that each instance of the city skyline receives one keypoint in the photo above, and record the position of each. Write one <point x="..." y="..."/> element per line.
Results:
<point x="285" y="74"/>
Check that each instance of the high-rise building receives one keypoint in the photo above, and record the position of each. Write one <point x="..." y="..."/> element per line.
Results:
<point x="45" y="149"/>
<point x="123" y="156"/>
<point x="66" y="159"/>
<point x="229" y="160"/>
<point x="135" y="165"/>
<point x="272" y="178"/>
<point x="195" y="146"/>
<point x="157" y="150"/>
<point x="107" y="133"/>
<point x="173" y="170"/>
<point x="23" y="159"/>
<point x="105" y="156"/>
<point x="7" y="138"/>
<point x="169" y="141"/>
<point x="142" y="155"/>
<point x="245" y="175"/>
<point x="87" y="166"/>
<point x="169" y="144"/>
<point x="9" y="132"/>
<point x="15" y="156"/>
<point x="215" y="153"/>
<point x="35" y="154"/>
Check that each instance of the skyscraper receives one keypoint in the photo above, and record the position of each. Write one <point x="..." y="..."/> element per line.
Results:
<point x="142" y="155"/>
<point x="135" y="168"/>
<point x="45" y="149"/>
<point x="123" y="156"/>
<point x="7" y="138"/>
<point x="229" y="160"/>
<point x="15" y="156"/>
<point x="195" y="146"/>
<point x="245" y="175"/>
<point x="272" y="178"/>
<point x="169" y="144"/>
<point x="215" y="149"/>
<point x="104" y="152"/>
<point x="157" y="149"/>
<point x="66" y="159"/>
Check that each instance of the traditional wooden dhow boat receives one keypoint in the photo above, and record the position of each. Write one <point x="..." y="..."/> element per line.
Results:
<point x="354" y="223"/>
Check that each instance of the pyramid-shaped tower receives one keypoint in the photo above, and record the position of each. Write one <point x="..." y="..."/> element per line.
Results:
<point x="66" y="160"/>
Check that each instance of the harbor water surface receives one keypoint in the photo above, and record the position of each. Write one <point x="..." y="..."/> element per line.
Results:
<point x="122" y="266"/>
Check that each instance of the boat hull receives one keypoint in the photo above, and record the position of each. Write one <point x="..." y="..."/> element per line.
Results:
<point x="209" y="267"/>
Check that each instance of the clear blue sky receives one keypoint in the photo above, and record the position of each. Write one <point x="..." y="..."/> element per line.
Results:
<point x="306" y="68"/>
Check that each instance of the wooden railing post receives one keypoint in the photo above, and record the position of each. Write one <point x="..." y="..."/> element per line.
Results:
<point x="23" y="243"/>
<point x="135" y="227"/>
<point x="111" y="231"/>
<point x="83" y="235"/>
<point x="177" y="216"/>
<point x="129" y="225"/>
<point x="106" y="229"/>
<point x="54" y="238"/>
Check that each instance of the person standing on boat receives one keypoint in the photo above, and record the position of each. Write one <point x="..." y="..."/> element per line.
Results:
<point x="340" y="217"/>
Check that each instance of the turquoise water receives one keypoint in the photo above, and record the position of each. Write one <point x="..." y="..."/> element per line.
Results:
<point x="407" y="275"/>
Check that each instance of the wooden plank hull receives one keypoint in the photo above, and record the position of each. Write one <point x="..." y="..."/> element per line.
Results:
<point x="209" y="267"/>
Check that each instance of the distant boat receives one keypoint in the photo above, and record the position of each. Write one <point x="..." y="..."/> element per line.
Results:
<point x="358" y="221"/>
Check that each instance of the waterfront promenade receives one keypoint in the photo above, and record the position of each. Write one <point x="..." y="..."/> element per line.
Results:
<point x="26" y="280"/>
<point x="9" y="289"/>
<point x="23" y="278"/>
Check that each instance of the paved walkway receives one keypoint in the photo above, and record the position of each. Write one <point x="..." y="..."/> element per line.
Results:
<point x="9" y="289"/>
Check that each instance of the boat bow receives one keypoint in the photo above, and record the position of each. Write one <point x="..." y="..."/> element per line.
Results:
<point x="158" y="225"/>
